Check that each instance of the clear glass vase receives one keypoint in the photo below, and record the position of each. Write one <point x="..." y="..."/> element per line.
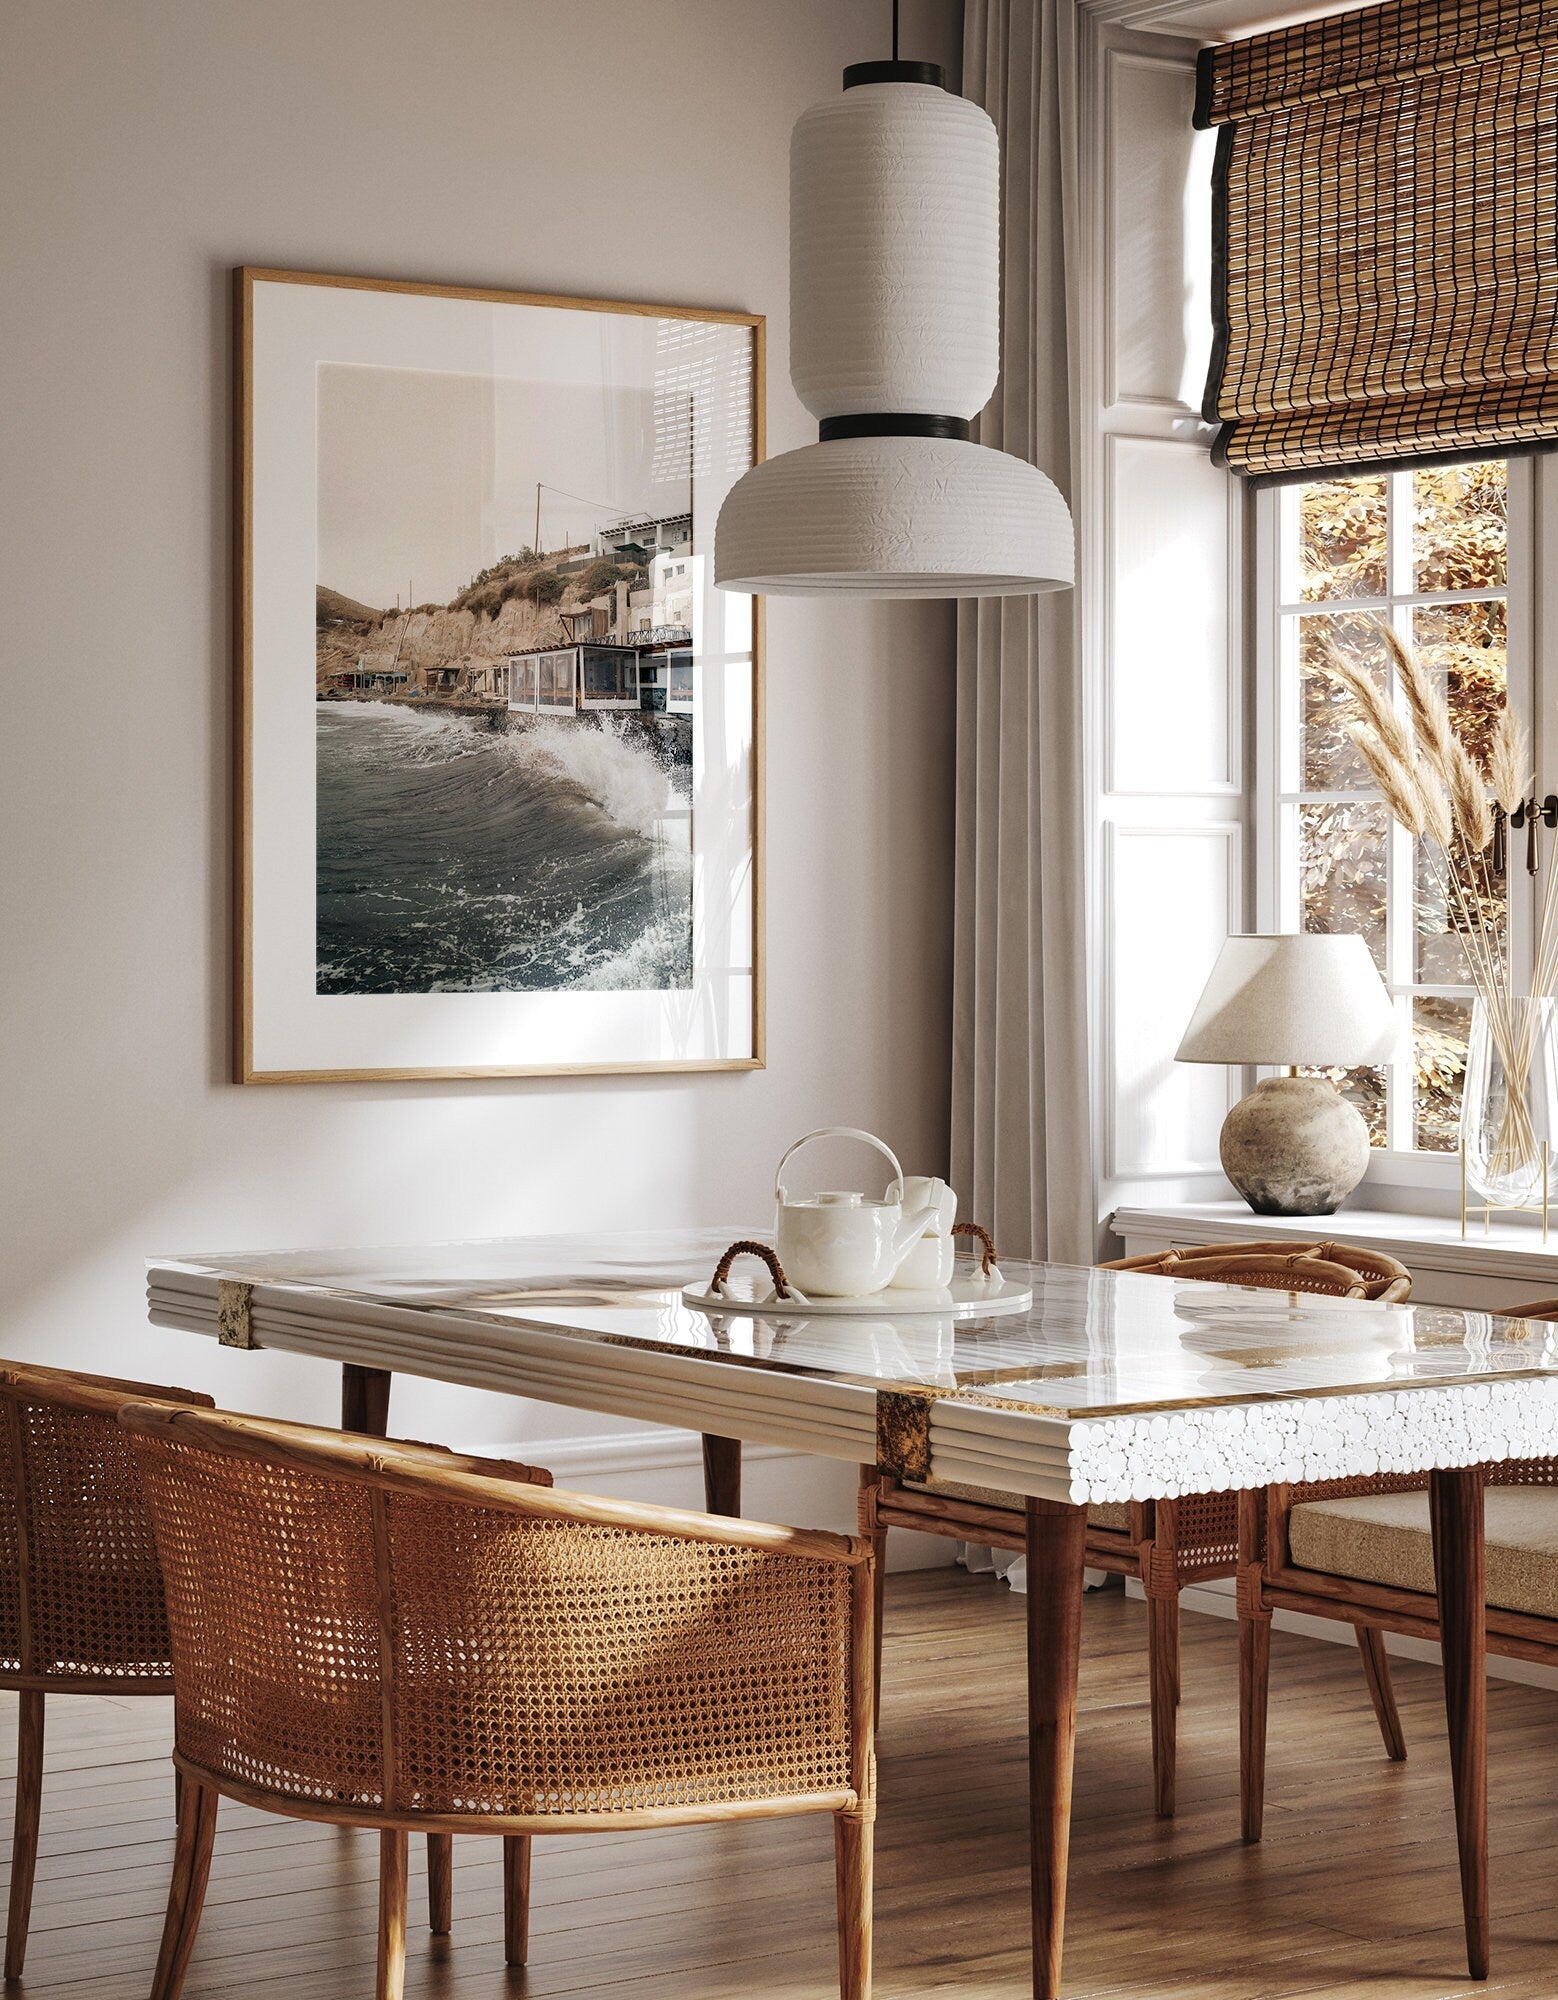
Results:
<point x="1509" y="1109"/>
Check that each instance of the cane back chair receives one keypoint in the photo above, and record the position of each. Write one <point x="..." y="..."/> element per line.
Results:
<point x="81" y="1607"/>
<point x="370" y="1634"/>
<point x="1361" y="1551"/>
<point x="1165" y="1544"/>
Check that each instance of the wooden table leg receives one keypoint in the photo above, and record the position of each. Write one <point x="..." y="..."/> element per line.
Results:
<point x="365" y="1400"/>
<point x="722" y="1476"/>
<point x="1456" y="1514"/>
<point x="365" y="1395"/>
<point x="1056" y="1536"/>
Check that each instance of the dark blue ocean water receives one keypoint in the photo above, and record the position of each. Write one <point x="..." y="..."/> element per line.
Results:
<point x="455" y="858"/>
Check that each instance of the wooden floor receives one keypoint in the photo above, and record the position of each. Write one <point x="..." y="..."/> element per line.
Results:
<point x="1353" y="1894"/>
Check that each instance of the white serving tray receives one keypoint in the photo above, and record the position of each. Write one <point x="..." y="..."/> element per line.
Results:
<point x="965" y="1298"/>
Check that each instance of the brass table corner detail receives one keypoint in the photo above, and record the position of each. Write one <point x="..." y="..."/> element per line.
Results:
<point x="903" y="1432"/>
<point x="234" y="1314"/>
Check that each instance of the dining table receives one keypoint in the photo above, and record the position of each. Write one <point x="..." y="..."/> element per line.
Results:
<point x="1106" y="1386"/>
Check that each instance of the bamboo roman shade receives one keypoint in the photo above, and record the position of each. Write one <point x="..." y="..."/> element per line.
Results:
<point x="1385" y="236"/>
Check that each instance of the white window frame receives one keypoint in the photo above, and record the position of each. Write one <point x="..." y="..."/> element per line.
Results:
<point x="1276" y="738"/>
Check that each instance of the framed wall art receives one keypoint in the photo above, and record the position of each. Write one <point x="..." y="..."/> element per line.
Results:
<point x="499" y="756"/>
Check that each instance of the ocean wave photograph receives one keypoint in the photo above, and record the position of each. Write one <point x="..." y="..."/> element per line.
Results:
<point x="501" y="853"/>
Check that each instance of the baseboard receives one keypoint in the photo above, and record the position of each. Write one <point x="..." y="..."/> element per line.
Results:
<point x="1216" y="1600"/>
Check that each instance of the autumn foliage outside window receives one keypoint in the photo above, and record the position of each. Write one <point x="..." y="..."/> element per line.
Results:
<point x="1426" y="550"/>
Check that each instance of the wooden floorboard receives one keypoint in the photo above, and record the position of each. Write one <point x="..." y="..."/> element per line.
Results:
<point x="1352" y="1895"/>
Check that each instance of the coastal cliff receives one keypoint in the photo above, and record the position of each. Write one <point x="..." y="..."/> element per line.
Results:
<point x="517" y="605"/>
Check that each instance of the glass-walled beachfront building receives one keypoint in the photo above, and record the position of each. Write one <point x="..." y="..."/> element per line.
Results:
<point x="656" y="679"/>
<point x="608" y="677"/>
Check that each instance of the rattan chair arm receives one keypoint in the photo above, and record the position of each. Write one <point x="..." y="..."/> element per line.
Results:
<point x="512" y="1469"/>
<point x="92" y="1395"/>
<point x="1341" y="1267"/>
<point x="420" y="1469"/>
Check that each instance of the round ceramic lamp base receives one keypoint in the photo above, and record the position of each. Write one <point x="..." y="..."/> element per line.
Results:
<point x="1294" y="1147"/>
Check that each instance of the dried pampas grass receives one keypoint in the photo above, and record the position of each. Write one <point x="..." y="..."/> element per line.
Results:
<point x="1436" y="806"/>
<point x="1434" y="789"/>
<point x="1509" y="762"/>
<point x="1375" y="709"/>
<point x="1396" y="778"/>
<point x="1468" y="797"/>
<point x="1430" y="711"/>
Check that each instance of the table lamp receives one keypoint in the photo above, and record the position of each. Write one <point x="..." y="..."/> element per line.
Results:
<point x="1294" y="1146"/>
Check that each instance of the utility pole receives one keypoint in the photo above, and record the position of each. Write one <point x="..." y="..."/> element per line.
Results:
<point x="536" y="544"/>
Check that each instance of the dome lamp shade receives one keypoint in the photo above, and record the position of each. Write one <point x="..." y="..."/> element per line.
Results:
<point x="894" y="348"/>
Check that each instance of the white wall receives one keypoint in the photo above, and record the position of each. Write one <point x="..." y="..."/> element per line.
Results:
<point x="145" y="150"/>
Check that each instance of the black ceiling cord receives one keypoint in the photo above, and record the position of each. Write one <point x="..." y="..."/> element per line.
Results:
<point x="893" y="70"/>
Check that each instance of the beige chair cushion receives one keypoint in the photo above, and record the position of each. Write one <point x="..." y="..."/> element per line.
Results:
<point x="1114" y="1514"/>
<point x="1384" y="1538"/>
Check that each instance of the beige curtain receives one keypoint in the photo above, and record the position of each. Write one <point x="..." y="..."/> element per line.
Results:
<point x="1022" y="1155"/>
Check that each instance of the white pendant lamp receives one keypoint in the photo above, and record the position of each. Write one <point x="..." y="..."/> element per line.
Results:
<point x="894" y="347"/>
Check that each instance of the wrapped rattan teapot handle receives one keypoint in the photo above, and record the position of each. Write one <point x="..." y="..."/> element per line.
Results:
<point x="747" y="1249"/>
<point x="981" y="1237"/>
<point x="837" y="1132"/>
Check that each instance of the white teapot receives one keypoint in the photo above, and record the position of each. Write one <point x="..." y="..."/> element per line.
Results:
<point x="839" y="1244"/>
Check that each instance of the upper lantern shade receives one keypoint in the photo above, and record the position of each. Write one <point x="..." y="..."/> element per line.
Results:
<point x="895" y="247"/>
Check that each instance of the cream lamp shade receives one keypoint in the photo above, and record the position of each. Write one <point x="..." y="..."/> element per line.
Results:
<point x="894" y="348"/>
<point x="1302" y="999"/>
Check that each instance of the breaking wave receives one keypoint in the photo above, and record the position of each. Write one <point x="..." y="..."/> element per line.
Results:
<point x="455" y="857"/>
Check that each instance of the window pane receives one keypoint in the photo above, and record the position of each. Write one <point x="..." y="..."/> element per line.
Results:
<point x="1465" y="646"/>
<point x="1383" y="539"/>
<point x="1341" y="859"/>
<point x="1329" y="758"/>
<point x="1364" y="1089"/>
<point x="1341" y="539"/>
<point x="1440" y="1030"/>
<point x="1460" y="526"/>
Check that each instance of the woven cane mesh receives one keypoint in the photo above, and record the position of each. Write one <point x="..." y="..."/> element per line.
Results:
<point x="1349" y="1489"/>
<point x="1386" y="206"/>
<point x="605" y="1670"/>
<point x="1524" y="1472"/>
<point x="405" y="1653"/>
<point x="274" y="1606"/>
<point x="80" y="1588"/>
<point x="1206" y="1540"/>
<point x="11" y="1647"/>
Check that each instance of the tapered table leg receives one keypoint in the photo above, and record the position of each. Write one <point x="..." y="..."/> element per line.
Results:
<point x="1456" y="1513"/>
<point x="1056" y="1535"/>
<point x="365" y="1401"/>
<point x="365" y="1395"/>
<point x="722" y="1476"/>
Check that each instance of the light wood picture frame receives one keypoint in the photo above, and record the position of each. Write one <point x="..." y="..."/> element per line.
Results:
<point x="499" y="741"/>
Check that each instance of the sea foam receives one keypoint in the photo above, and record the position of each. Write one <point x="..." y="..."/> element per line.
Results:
<point x="614" y="770"/>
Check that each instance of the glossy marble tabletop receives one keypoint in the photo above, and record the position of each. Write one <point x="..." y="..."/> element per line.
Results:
<point x="1113" y="1385"/>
